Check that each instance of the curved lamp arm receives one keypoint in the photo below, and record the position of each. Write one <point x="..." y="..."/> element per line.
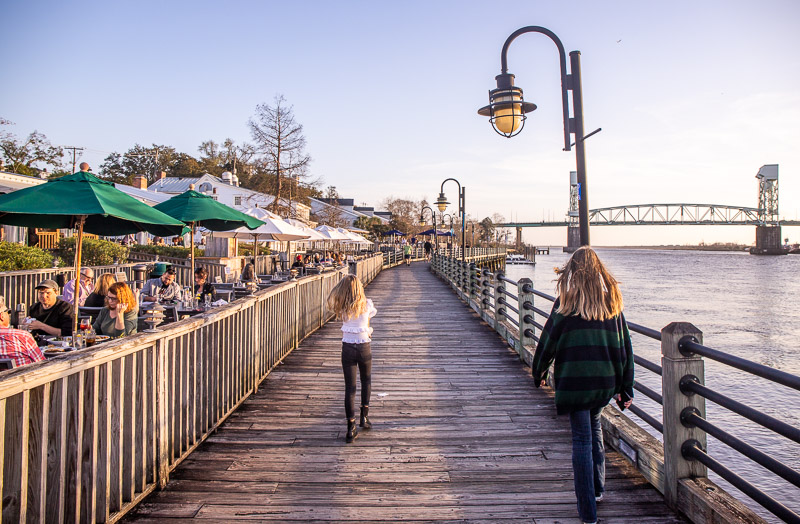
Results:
<point x="562" y="57"/>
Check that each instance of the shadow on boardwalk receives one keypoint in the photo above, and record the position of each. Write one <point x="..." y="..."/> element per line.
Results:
<point x="460" y="433"/>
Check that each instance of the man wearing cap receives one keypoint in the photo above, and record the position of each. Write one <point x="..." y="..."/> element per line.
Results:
<point x="164" y="288"/>
<point x="16" y="344"/>
<point x="51" y="315"/>
<point x="86" y="287"/>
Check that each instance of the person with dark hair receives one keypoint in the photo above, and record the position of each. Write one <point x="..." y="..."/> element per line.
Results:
<point x="162" y="288"/>
<point x="201" y="285"/>
<point x="50" y="314"/>
<point x="588" y="339"/>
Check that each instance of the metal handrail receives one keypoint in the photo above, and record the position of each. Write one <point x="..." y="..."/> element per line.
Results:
<point x="691" y="450"/>
<point x="692" y="417"/>
<point x="687" y="347"/>
<point x="689" y="384"/>
<point x="781" y="377"/>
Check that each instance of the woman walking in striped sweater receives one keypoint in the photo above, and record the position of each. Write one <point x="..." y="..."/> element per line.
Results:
<point x="588" y="339"/>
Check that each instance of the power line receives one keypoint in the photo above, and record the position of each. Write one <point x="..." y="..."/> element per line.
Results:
<point x="74" y="151"/>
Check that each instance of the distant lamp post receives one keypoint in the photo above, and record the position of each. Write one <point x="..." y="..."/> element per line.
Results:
<point x="422" y="223"/>
<point x="442" y="203"/>
<point x="507" y="110"/>
<point x="451" y="219"/>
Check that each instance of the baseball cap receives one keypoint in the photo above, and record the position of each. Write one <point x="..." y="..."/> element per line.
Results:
<point x="48" y="284"/>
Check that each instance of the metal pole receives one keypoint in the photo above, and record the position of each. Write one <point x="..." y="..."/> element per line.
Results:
<point x="462" y="197"/>
<point x="580" y="155"/>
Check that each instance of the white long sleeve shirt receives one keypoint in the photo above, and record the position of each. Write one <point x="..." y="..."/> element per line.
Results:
<point x="357" y="330"/>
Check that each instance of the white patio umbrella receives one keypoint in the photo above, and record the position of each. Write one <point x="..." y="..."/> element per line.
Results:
<point x="275" y="229"/>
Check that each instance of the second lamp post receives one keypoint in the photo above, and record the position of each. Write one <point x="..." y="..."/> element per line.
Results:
<point x="442" y="203"/>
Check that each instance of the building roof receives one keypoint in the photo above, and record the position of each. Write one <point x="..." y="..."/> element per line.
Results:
<point x="12" y="181"/>
<point x="150" y="198"/>
<point x="174" y="185"/>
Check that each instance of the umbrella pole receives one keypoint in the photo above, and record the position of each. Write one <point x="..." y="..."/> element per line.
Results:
<point x="191" y="246"/>
<point x="78" y="249"/>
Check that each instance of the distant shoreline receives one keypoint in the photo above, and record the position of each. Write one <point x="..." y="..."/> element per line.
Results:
<point x="707" y="247"/>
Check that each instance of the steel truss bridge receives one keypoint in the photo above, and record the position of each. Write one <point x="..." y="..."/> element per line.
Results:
<point x="666" y="215"/>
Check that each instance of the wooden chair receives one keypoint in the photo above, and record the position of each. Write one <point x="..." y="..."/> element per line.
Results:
<point x="91" y="312"/>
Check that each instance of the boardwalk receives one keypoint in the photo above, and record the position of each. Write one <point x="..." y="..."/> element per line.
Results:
<point x="460" y="433"/>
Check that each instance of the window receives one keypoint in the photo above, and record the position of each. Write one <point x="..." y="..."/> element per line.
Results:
<point x="237" y="200"/>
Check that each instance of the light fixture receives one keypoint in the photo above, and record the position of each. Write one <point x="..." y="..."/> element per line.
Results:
<point x="506" y="109"/>
<point x="442" y="202"/>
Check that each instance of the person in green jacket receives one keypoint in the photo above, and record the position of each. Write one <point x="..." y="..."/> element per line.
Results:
<point x="119" y="317"/>
<point x="587" y="338"/>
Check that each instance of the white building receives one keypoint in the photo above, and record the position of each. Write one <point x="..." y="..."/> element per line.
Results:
<point x="225" y="190"/>
<point x="11" y="182"/>
<point x="346" y="210"/>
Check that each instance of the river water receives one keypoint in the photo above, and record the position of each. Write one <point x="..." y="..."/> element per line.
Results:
<point x="745" y="305"/>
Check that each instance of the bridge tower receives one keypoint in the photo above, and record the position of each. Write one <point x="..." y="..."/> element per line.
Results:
<point x="768" y="230"/>
<point x="573" y="226"/>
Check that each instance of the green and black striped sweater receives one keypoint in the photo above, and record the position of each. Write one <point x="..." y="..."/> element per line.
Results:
<point x="593" y="360"/>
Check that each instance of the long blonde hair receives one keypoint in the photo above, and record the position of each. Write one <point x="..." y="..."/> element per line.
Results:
<point x="347" y="299"/>
<point x="103" y="283"/>
<point x="586" y="288"/>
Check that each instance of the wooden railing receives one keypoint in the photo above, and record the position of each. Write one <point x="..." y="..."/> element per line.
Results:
<point x="688" y="490"/>
<point x="88" y="435"/>
<point x="20" y="286"/>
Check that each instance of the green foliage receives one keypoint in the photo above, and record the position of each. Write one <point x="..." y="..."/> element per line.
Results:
<point x="95" y="252"/>
<point x="168" y="251"/>
<point x="246" y="249"/>
<point x="16" y="256"/>
<point x="21" y="155"/>
<point x="374" y="225"/>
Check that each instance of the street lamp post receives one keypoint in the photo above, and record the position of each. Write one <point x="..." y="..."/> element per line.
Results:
<point x="442" y="203"/>
<point x="506" y="112"/>
<point x="450" y="217"/>
<point x="422" y="223"/>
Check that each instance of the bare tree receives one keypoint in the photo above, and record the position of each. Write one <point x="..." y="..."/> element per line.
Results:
<point x="331" y="214"/>
<point x="20" y="155"/>
<point x="280" y="144"/>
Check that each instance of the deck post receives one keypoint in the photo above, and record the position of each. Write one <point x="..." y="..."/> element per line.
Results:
<point x="484" y="288"/>
<point x="499" y="298"/>
<point x="162" y="411"/>
<point x="677" y="366"/>
<point x="526" y="327"/>
<point x="473" y="283"/>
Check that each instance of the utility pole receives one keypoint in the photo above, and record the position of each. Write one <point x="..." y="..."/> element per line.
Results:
<point x="74" y="151"/>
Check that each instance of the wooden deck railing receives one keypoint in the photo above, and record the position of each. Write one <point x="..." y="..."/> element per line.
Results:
<point x="20" y="286"/>
<point x="88" y="435"/>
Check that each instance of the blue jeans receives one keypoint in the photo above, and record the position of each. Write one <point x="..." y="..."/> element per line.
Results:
<point x="356" y="357"/>
<point x="588" y="460"/>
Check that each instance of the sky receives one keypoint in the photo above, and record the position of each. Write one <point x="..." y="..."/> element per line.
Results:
<point x="693" y="97"/>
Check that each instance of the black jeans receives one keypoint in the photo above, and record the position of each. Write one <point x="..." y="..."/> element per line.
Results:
<point x="356" y="356"/>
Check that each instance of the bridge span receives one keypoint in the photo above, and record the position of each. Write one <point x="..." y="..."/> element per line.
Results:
<point x="666" y="215"/>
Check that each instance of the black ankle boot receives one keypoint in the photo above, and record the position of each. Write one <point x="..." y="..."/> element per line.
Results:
<point x="364" y="422"/>
<point x="352" y="431"/>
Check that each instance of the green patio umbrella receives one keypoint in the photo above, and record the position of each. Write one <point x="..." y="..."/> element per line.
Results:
<point x="199" y="210"/>
<point x="84" y="202"/>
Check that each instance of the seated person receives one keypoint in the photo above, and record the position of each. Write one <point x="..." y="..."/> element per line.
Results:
<point x="98" y="297"/>
<point x="298" y="262"/>
<point x="163" y="288"/>
<point x="249" y="273"/>
<point x="52" y="316"/>
<point x="316" y="258"/>
<point x="86" y="287"/>
<point x="118" y="318"/>
<point x="16" y="344"/>
<point x="201" y="285"/>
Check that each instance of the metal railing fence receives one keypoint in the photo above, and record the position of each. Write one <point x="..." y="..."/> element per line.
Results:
<point x="684" y="425"/>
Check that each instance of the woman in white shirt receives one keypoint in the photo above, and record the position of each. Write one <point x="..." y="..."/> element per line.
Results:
<point x="348" y="302"/>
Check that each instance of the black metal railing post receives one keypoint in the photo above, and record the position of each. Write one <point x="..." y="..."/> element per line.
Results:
<point x="678" y="366"/>
<point x="526" y="327"/>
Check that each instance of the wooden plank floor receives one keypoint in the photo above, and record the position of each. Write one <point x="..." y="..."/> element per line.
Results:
<point x="460" y="433"/>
